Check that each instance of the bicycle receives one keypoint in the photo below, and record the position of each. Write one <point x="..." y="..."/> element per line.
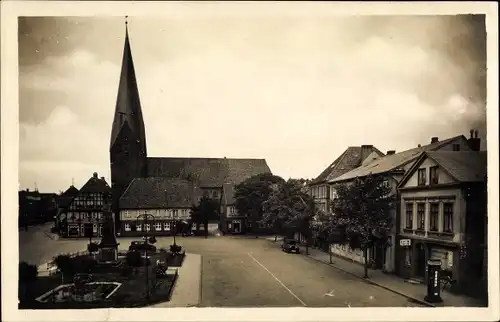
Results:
<point x="447" y="282"/>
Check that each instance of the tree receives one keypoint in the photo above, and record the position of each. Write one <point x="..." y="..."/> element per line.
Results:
<point x="362" y="211"/>
<point x="284" y="206"/>
<point x="206" y="209"/>
<point x="27" y="276"/>
<point x="253" y="192"/>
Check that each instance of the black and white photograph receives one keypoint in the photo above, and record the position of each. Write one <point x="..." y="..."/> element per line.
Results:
<point x="246" y="155"/>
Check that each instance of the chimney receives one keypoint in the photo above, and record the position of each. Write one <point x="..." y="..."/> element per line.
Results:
<point x="391" y="152"/>
<point x="366" y="150"/>
<point x="419" y="146"/>
<point x="434" y="139"/>
<point x="474" y="142"/>
<point x="95" y="175"/>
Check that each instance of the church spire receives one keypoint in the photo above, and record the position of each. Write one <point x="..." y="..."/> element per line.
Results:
<point x="128" y="105"/>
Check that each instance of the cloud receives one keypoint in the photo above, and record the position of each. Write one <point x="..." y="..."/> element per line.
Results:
<point x="295" y="92"/>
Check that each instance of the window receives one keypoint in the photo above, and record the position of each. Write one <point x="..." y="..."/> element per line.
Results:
<point x="174" y="213"/>
<point x="456" y="147"/>
<point x="434" y="175"/>
<point x="422" y="180"/>
<point x="448" y="217"/>
<point x="215" y="194"/>
<point x="409" y="216"/>
<point x="158" y="226"/>
<point x="139" y="227"/>
<point x="148" y="227"/>
<point x="127" y="227"/>
<point x="166" y="226"/>
<point x="433" y="216"/>
<point x="421" y="216"/>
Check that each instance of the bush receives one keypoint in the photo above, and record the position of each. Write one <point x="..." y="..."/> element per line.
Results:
<point x="175" y="248"/>
<point x="152" y="239"/>
<point x="83" y="264"/>
<point x="92" y="247"/>
<point x="27" y="273"/>
<point x="133" y="259"/>
<point x="65" y="264"/>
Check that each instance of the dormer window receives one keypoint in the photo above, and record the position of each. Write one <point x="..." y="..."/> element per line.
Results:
<point x="456" y="147"/>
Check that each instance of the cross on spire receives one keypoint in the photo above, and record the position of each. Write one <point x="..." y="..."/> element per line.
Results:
<point x="126" y="20"/>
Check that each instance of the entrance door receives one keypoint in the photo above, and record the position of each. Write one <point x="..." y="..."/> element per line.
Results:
<point x="379" y="257"/>
<point x="88" y="230"/>
<point x="236" y="227"/>
<point x="420" y="261"/>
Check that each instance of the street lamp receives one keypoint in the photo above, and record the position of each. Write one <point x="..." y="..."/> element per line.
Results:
<point x="174" y="217"/>
<point x="146" y="218"/>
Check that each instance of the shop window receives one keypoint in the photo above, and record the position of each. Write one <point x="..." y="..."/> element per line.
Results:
<point x="408" y="256"/>
<point x="166" y="226"/>
<point x="127" y="227"/>
<point x="158" y="226"/>
<point x="139" y="227"/>
<point x="147" y="227"/>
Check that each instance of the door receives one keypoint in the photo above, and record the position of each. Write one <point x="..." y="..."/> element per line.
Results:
<point x="379" y="257"/>
<point x="236" y="227"/>
<point x="420" y="261"/>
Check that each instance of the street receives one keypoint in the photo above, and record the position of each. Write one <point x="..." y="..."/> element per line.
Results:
<point x="249" y="272"/>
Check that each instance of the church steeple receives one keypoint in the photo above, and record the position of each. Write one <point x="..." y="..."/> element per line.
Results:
<point x="127" y="149"/>
<point x="128" y="105"/>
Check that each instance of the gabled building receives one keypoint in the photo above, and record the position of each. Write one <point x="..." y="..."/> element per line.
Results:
<point x="133" y="170"/>
<point x="443" y="215"/>
<point x="167" y="200"/>
<point x="393" y="167"/>
<point x="351" y="158"/>
<point x="83" y="217"/>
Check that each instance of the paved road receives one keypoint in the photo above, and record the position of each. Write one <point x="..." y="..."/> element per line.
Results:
<point x="242" y="272"/>
<point x="249" y="272"/>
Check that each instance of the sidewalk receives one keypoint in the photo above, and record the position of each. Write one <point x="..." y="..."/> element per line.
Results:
<point x="390" y="282"/>
<point x="187" y="289"/>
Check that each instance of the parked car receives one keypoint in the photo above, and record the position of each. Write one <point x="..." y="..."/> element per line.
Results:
<point x="141" y="247"/>
<point x="290" y="245"/>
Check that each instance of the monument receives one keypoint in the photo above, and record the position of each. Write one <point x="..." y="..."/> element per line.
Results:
<point x="108" y="247"/>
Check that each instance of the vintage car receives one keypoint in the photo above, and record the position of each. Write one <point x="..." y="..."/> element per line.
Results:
<point x="141" y="247"/>
<point x="290" y="245"/>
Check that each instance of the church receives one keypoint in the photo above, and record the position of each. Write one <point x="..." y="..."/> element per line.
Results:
<point x="164" y="188"/>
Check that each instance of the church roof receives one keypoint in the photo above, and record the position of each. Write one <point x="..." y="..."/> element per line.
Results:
<point x="207" y="172"/>
<point x="159" y="192"/>
<point x="128" y="105"/>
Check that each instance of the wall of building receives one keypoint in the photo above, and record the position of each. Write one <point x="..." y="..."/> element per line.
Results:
<point x="162" y="224"/>
<point x="443" y="177"/>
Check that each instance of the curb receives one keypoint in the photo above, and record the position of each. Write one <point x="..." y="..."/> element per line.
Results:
<point x="201" y="281"/>
<point x="375" y="283"/>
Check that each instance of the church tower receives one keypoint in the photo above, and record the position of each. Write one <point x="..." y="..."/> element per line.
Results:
<point x="127" y="149"/>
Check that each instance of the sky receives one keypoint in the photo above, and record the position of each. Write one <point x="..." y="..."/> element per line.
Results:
<point x="296" y="91"/>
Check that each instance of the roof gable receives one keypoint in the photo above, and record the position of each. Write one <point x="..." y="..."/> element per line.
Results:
<point x="348" y="160"/>
<point x="396" y="161"/>
<point x="454" y="166"/>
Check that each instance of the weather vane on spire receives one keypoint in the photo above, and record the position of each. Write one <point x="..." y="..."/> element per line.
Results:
<point x="126" y="20"/>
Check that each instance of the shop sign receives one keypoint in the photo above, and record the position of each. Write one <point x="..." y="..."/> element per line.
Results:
<point x="405" y="242"/>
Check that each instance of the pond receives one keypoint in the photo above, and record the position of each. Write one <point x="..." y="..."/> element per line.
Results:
<point x="89" y="292"/>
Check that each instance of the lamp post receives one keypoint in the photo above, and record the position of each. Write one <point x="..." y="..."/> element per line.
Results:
<point x="146" y="218"/>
